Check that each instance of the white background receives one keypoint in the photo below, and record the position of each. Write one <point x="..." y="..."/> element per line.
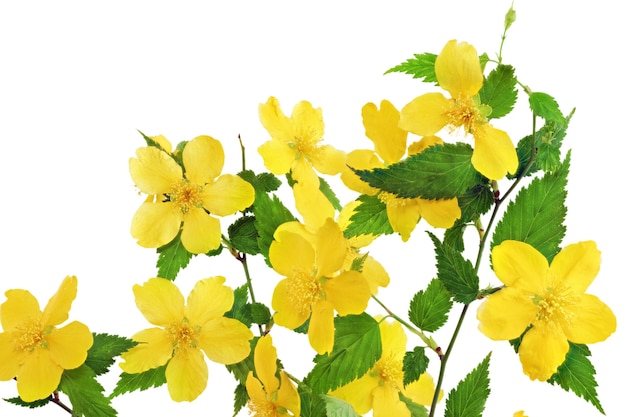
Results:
<point x="78" y="78"/>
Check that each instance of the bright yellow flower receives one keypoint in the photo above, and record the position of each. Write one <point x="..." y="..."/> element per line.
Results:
<point x="381" y="126"/>
<point x="315" y="286"/>
<point x="519" y="414"/>
<point x="378" y="389"/>
<point x="459" y="72"/>
<point x="32" y="348"/>
<point x="191" y="197"/>
<point x="184" y="332"/>
<point x="269" y="395"/>
<point x="551" y="298"/>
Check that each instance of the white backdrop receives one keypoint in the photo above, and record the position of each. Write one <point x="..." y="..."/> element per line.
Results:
<point x="78" y="78"/>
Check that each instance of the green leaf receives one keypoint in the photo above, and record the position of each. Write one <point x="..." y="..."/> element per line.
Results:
<point x="270" y="213"/>
<point x="546" y="107"/>
<point x="151" y="142"/>
<point x="420" y="66"/>
<point x="537" y="214"/>
<point x="241" y="309"/>
<point x="369" y="217"/>
<point x="499" y="92"/>
<point x="429" y="308"/>
<point x="172" y="258"/>
<point x="241" y="398"/>
<point x="85" y="393"/>
<point x="417" y="410"/>
<point x="356" y="349"/>
<point x="264" y="182"/>
<point x="455" y="272"/>
<point x="577" y="374"/>
<point x="469" y="397"/>
<point x="476" y="201"/>
<point x="240" y="370"/>
<point x="32" y="404"/>
<point x="105" y="348"/>
<point x="243" y="235"/>
<point x="260" y="313"/>
<point x="329" y="194"/>
<point x="440" y="171"/>
<point x="414" y="365"/>
<point x="453" y="236"/>
<point x="311" y="404"/>
<point x="142" y="381"/>
<point x="336" y="407"/>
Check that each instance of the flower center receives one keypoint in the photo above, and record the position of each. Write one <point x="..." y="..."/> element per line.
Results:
<point x="391" y="200"/>
<point x="554" y="305"/>
<point x="305" y="145"/>
<point x="186" y="195"/>
<point x="182" y="335"/>
<point x="30" y="336"/>
<point x="303" y="290"/>
<point x="466" y="113"/>
<point x="262" y="408"/>
<point x="389" y="370"/>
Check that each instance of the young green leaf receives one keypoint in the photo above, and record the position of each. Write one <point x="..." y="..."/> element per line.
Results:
<point x="429" y="308"/>
<point x="241" y="309"/>
<point x="499" y="92"/>
<point x="414" y="364"/>
<point x="420" y="66"/>
<point x="369" y="217"/>
<point x="546" y="107"/>
<point x="264" y="182"/>
<point x="453" y="236"/>
<point x="336" y="407"/>
<point x="260" y="313"/>
<point x="329" y="194"/>
<point x="105" y="348"/>
<point x="85" y="393"/>
<point x="172" y="258"/>
<point x="469" y="397"/>
<point x="270" y="213"/>
<point x="243" y="235"/>
<point x="142" y="381"/>
<point x="455" y="272"/>
<point x="241" y="398"/>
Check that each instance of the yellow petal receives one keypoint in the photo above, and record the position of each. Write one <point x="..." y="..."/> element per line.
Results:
<point x="69" y="344"/>
<point x="519" y="264"/>
<point x="265" y="363"/>
<point x="422" y="390"/>
<point x="506" y="314"/>
<point x="313" y="205"/>
<point x="163" y="142"/>
<point x="154" y="171"/>
<point x="209" y="299"/>
<point x="591" y="321"/>
<point x="425" y="115"/>
<point x="494" y="154"/>
<point x="203" y="158"/>
<point x="201" y="231"/>
<point x="186" y="375"/>
<point x="348" y="293"/>
<point x="227" y="195"/>
<point x="160" y="301"/>
<point x="154" y="350"/>
<point x="328" y="160"/>
<point x="10" y="358"/>
<point x="303" y="173"/>
<point x="381" y="126"/>
<point x="392" y="337"/>
<point x="386" y="402"/>
<point x="275" y="122"/>
<point x="321" y="327"/>
<point x="288" y="396"/>
<point x="440" y="213"/>
<point x="58" y="307"/>
<point x="330" y="248"/>
<point x="360" y="159"/>
<point x="458" y="69"/>
<point x="287" y="313"/>
<point x="155" y="224"/>
<point x="255" y="389"/>
<point x="424" y="143"/>
<point x="225" y="340"/>
<point x="38" y="376"/>
<point x="542" y="351"/>
<point x="358" y="393"/>
<point x="308" y="126"/>
<point x="19" y="307"/>
<point x="577" y="265"/>
<point x="403" y="215"/>
<point x="277" y="156"/>
<point x="375" y="274"/>
<point x="291" y="252"/>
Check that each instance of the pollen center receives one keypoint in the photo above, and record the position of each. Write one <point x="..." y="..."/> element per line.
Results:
<point x="305" y="145"/>
<point x="554" y="306"/>
<point x="29" y="336"/>
<point x="391" y="200"/>
<point x="186" y="196"/>
<point x="464" y="112"/>
<point x="262" y="408"/>
<point x="389" y="370"/>
<point x="303" y="290"/>
<point x="183" y="334"/>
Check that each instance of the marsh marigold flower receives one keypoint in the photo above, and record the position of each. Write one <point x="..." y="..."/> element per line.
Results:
<point x="390" y="145"/>
<point x="378" y="389"/>
<point x="191" y="197"/>
<point x="549" y="297"/>
<point x="459" y="72"/>
<point x="270" y="396"/>
<point x="32" y="348"/>
<point x="315" y="286"/>
<point x="185" y="331"/>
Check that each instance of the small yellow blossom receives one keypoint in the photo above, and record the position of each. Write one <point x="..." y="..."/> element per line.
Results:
<point x="32" y="348"/>
<point x="315" y="286"/>
<point x="378" y="389"/>
<point x="519" y="414"/>
<point x="270" y="396"/>
<point x="459" y="72"/>
<point x="549" y="297"/>
<point x="184" y="332"/>
<point x="192" y="197"/>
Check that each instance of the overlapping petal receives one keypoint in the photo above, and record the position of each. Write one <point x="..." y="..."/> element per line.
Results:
<point x="458" y="69"/>
<point x="154" y="171"/>
<point x="186" y="374"/>
<point x="38" y="376"/>
<point x="69" y="344"/>
<point x="225" y="340"/>
<point x="227" y="195"/>
<point x="201" y="231"/>
<point x="494" y="154"/>
<point x="381" y="126"/>
<point x="542" y="350"/>
<point x="160" y="301"/>
<point x="203" y="158"/>
<point x="58" y="308"/>
<point x="155" y="224"/>
<point x="154" y="350"/>
<point x="198" y="310"/>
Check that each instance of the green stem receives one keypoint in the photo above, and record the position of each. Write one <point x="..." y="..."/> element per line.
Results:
<point x="55" y="399"/>
<point x="243" y="153"/>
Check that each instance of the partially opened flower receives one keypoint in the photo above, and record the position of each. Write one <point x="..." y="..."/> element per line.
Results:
<point x="459" y="72"/>
<point x="270" y="396"/>
<point x="184" y="332"/>
<point x="33" y="349"/>
<point x="188" y="199"/>
<point x="549" y="297"/>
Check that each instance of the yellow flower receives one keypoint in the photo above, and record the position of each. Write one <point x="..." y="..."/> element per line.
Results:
<point x="314" y="285"/>
<point x="184" y="332"/>
<point x="191" y="197"/>
<point x="458" y="72"/>
<point x="551" y="298"/>
<point x="32" y="348"/>
<point x="269" y="395"/>
<point x="519" y="414"/>
<point x="378" y="389"/>
<point x="381" y="126"/>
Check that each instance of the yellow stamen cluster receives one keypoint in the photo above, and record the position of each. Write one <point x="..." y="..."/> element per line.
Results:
<point x="182" y="335"/>
<point x="553" y="305"/>
<point x="391" y="200"/>
<point x="305" y="146"/>
<point x="465" y="113"/>
<point x="303" y="290"/>
<point x="262" y="408"/>
<point x="389" y="370"/>
<point x="30" y="335"/>
<point x="186" y="195"/>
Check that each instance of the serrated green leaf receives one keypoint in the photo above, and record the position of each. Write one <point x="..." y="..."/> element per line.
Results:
<point x="440" y="171"/>
<point x="244" y="236"/>
<point x="455" y="272"/>
<point x="151" y="142"/>
<point x="311" y="404"/>
<point x="32" y="404"/>
<point x="414" y="365"/>
<point x="172" y="258"/>
<point x="240" y="309"/>
<point x="260" y="313"/>
<point x="369" y="217"/>
<point x="577" y="374"/>
<point x="357" y="347"/>
<point x="270" y="213"/>
<point x="416" y="410"/>
<point x="105" y="348"/>
<point x="476" y="201"/>
<point x="469" y="397"/>
<point x="420" y="66"/>
<point x="152" y="378"/>
<point x="499" y="92"/>
<point x="453" y="236"/>
<point x="264" y="182"/>
<point x="429" y="308"/>
<point x="241" y="398"/>
<point x="336" y="407"/>
<point x="85" y="393"/>
<point x="240" y="370"/>
<point x="546" y="107"/>
<point x="329" y="194"/>
<point x="537" y="214"/>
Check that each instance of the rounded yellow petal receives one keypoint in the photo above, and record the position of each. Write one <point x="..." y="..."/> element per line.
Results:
<point x="225" y="340"/>
<point x="403" y="215"/>
<point x="69" y="344"/>
<point x="10" y="358"/>
<point x="163" y="142"/>
<point x="201" y="231"/>
<point x="591" y="321"/>
<point x="521" y="265"/>
<point x="275" y="122"/>
<point x="19" y="307"/>
<point x="227" y="195"/>
<point x="393" y="338"/>
<point x="277" y="156"/>
<point x="426" y="142"/>
<point x="494" y="154"/>
<point x="160" y="301"/>
<point x="375" y="274"/>
<point x="330" y="248"/>
<point x="287" y="313"/>
<point x="265" y="358"/>
<point x="209" y="299"/>
<point x="542" y="351"/>
<point x="425" y="115"/>
<point x="154" y="350"/>
<point x="458" y="69"/>
<point x="255" y="389"/>
<point x="321" y="327"/>
<point x="440" y="213"/>
<point x="506" y="314"/>
<point x="328" y="160"/>
<point x="576" y="265"/>
<point x="38" y="376"/>
<point x="58" y="307"/>
<point x="203" y="158"/>
<point x="381" y="126"/>
<point x="308" y="126"/>
<point x="187" y="375"/>
<point x="386" y="402"/>
<point x="288" y="396"/>
<point x="422" y="390"/>
<point x="291" y="253"/>
<point x="358" y="393"/>
<point x="154" y="171"/>
<point x="362" y="159"/>
<point x="155" y="224"/>
<point x="313" y="205"/>
<point x="348" y="292"/>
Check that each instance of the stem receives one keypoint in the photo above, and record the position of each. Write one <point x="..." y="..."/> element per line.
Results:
<point x="55" y="399"/>
<point x="243" y="153"/>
